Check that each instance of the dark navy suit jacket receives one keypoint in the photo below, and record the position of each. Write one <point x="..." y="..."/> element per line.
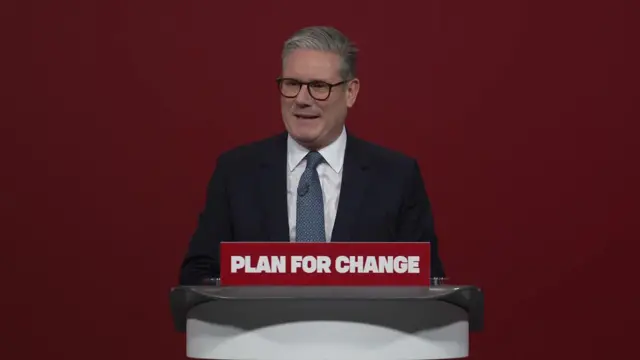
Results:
<point x="382" y="199"/>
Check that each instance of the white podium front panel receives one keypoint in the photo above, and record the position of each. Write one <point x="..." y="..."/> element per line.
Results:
<point x="345" y="329"/>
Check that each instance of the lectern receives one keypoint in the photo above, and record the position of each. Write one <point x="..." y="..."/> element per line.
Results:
<point x="327" y="322"/>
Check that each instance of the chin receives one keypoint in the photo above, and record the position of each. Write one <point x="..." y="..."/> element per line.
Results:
<point x="305" y="132"/>
<point x="305" y="136"/>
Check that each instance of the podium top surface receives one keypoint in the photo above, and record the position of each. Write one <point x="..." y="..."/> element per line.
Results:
<point x="325" y="292"/>
<point x="470" y="298"/>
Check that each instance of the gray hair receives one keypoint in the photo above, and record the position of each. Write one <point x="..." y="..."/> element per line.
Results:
<point x="324" y="38"/>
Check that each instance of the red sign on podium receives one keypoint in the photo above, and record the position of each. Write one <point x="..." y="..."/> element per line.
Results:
<point x="282" y="263"/>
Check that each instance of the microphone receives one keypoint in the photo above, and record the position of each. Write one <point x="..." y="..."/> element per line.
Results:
<point x="303" y="189"/>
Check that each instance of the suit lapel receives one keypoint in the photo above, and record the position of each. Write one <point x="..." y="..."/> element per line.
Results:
<point x="355" y="180"/>
<point x="273" y="189"/>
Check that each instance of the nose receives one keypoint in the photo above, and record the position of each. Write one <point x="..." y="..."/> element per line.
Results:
<point x="304" y="98"/>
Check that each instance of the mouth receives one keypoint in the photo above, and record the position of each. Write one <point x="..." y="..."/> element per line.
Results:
<point x="306" y="116"/>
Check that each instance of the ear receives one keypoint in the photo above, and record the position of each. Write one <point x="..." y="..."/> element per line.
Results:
<point x="352" y="91"/>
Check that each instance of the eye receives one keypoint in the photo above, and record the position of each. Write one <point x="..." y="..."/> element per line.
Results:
<point x="290" y="82"/>
<point x="319" y="85"/>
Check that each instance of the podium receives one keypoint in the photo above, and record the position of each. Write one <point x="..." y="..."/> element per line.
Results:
<point x="327" y="322"/>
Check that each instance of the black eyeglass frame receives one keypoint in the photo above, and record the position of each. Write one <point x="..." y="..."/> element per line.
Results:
<point x="307" y="83"/>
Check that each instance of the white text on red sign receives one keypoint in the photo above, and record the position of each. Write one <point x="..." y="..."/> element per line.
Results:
<point x="324" y="264"/>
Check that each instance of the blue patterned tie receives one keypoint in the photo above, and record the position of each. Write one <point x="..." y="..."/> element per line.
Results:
<point x="310" y="205"/>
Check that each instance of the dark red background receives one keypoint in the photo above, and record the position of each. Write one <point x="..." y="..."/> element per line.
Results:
<point x="521" y="114"/>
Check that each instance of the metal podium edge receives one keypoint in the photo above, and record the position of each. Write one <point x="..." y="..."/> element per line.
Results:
<point x="470" y="298"/>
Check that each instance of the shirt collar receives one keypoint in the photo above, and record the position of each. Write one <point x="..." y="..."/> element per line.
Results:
<point x="333" y="153"/>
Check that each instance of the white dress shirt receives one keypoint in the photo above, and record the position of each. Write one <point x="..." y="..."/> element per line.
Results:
<point x="330" y="173"/>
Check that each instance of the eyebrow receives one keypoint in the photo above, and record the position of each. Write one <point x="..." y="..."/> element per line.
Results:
<point x="309" y="80"/>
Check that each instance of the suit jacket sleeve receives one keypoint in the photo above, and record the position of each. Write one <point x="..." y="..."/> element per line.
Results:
<point x="416" y="220"/>
<point x="201" y="261"/>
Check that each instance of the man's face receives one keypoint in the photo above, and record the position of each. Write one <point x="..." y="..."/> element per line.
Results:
<point x="314" y="122"/>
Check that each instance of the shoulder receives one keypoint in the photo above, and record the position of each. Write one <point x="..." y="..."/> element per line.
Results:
<point x="382" y="157"/>
<point x="253" y="152"/>
<point x="394" y="169"/>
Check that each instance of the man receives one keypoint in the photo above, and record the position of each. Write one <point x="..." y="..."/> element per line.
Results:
<point x="316" y="181"/>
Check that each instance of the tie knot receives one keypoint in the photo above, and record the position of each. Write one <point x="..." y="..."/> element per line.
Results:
<point x="314" y="159"/>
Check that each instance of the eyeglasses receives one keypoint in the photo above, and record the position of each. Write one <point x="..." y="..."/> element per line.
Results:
<point x="319" y="90"/>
